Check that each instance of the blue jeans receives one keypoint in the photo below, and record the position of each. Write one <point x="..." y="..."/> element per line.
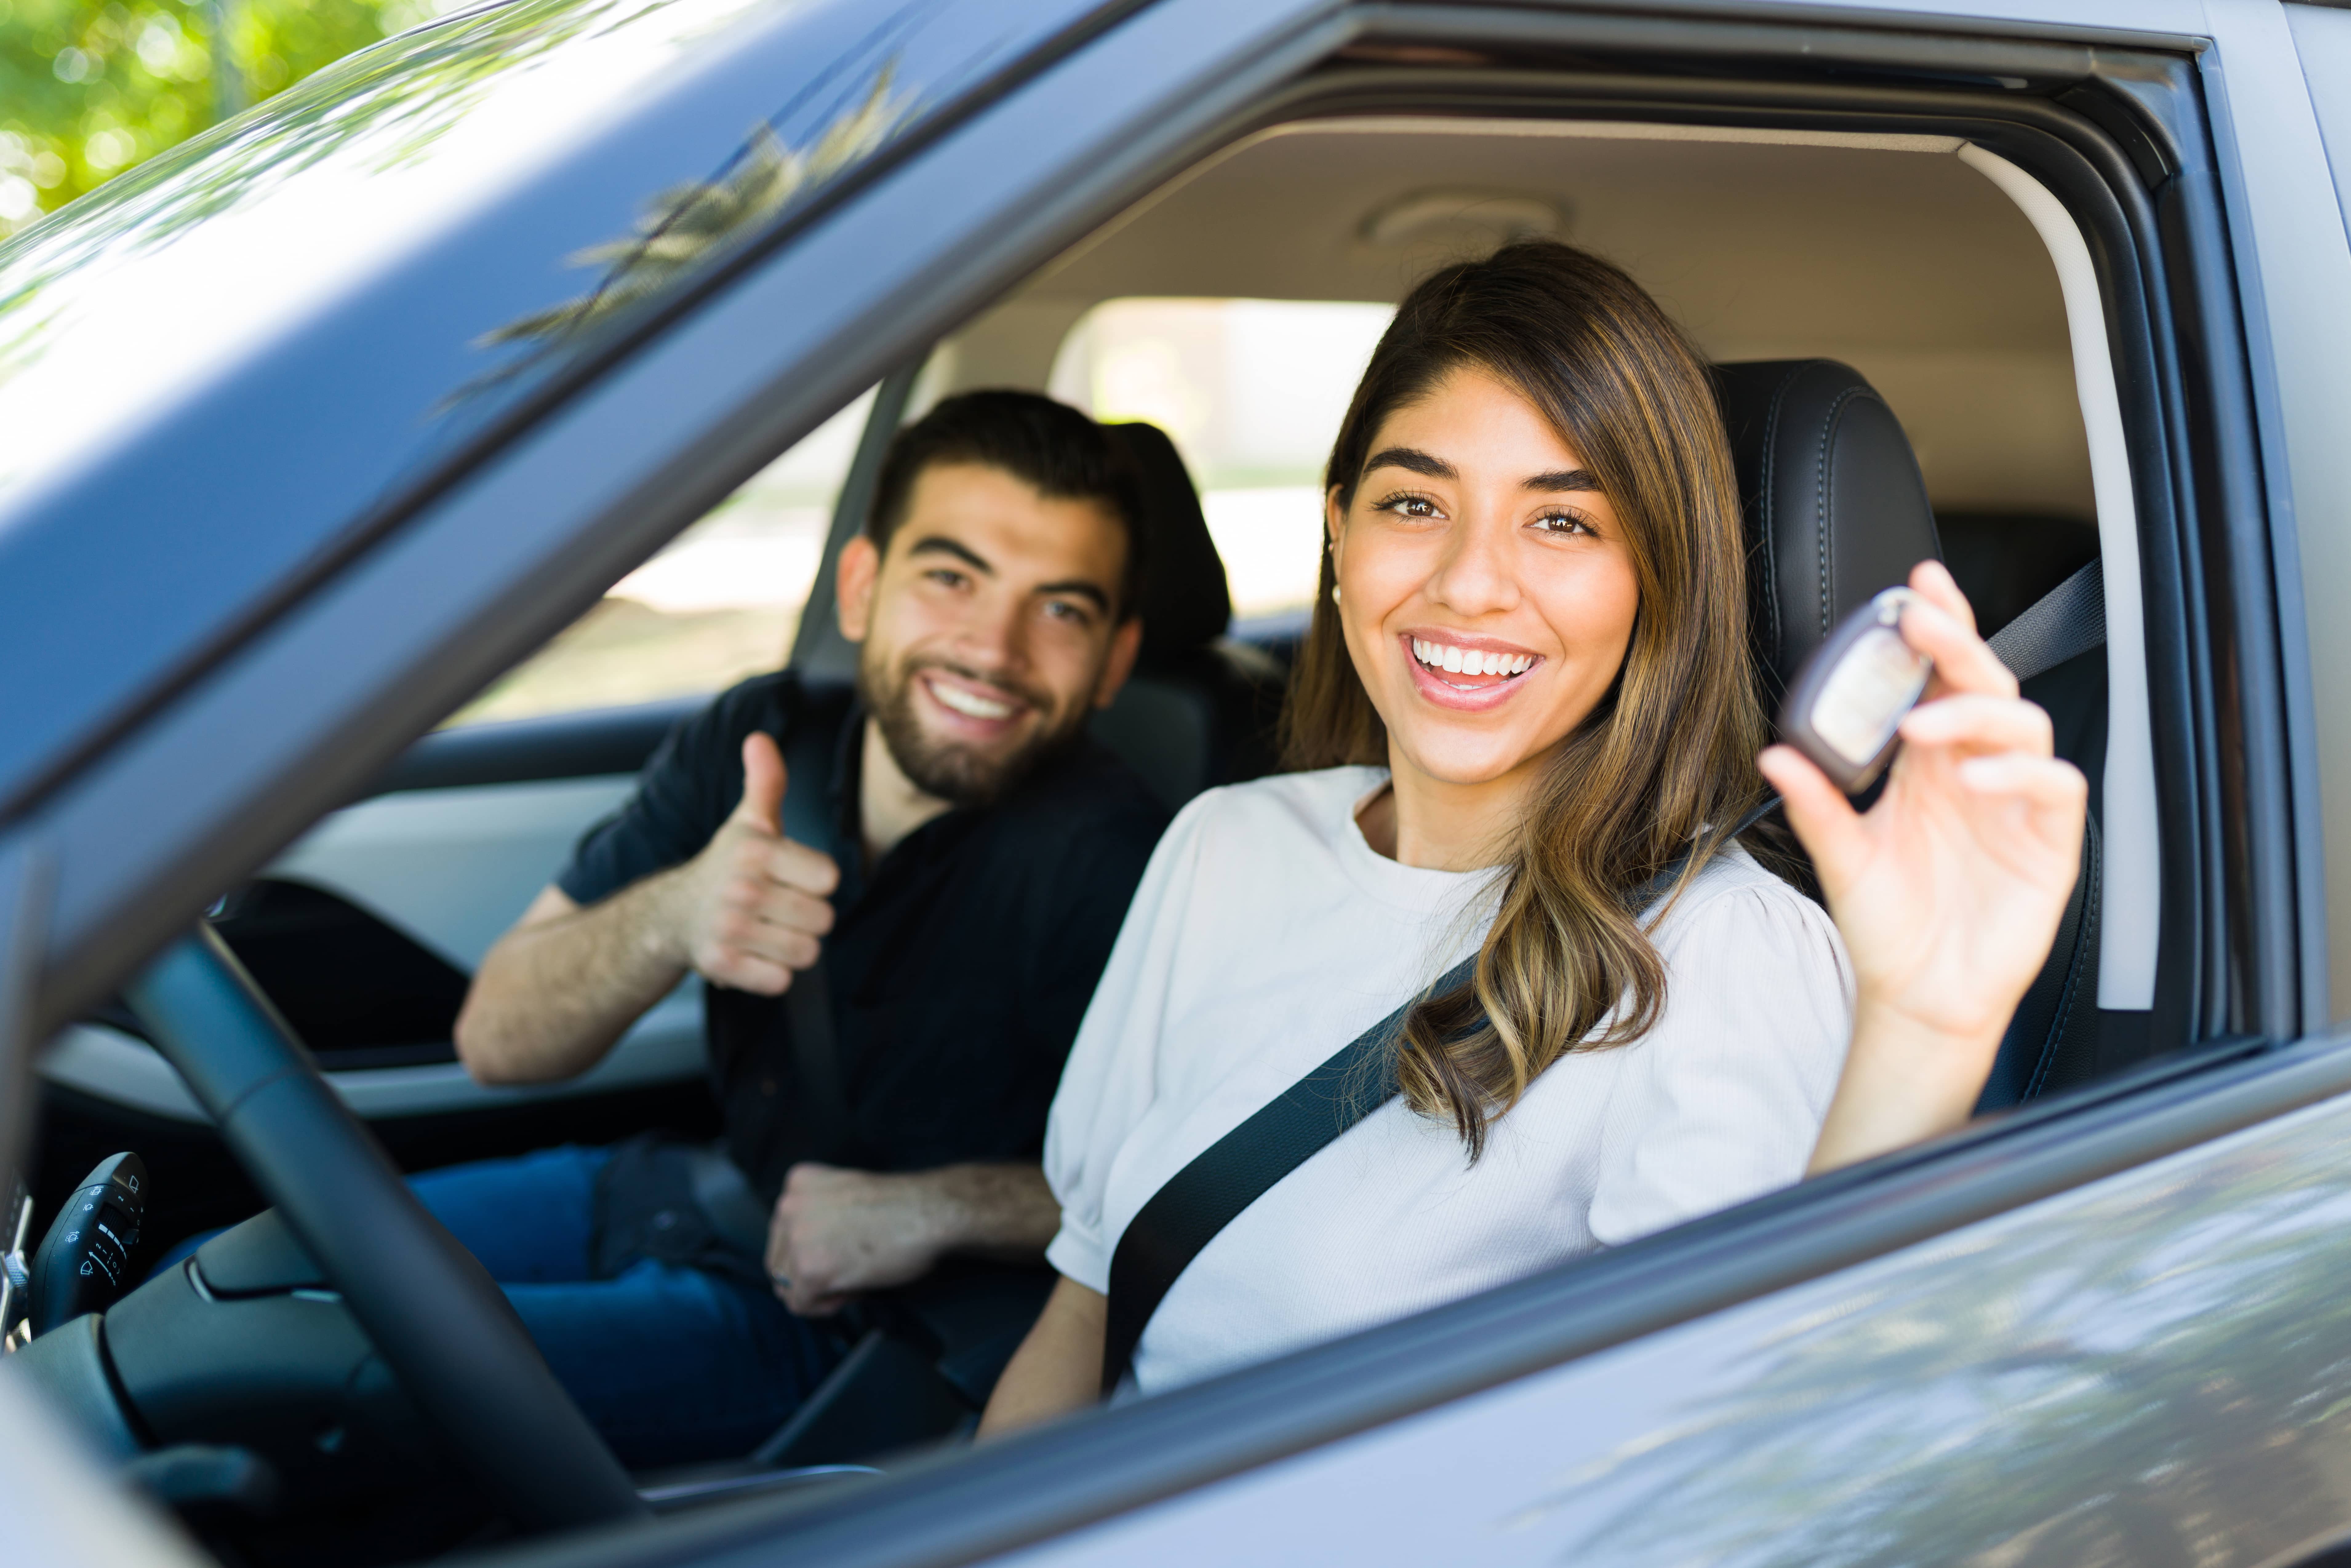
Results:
<point x="672" y="1365"/>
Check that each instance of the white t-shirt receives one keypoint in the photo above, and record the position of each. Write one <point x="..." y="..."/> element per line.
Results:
<point x="1267" y="934"/>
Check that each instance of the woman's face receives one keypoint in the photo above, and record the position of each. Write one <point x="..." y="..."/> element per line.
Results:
<point x="1486" y="589"/>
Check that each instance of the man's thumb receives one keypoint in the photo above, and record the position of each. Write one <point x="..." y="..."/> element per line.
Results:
<point x="763" y="783"/>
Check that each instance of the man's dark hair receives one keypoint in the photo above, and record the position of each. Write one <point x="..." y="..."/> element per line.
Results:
<point x="1047" y="445"/>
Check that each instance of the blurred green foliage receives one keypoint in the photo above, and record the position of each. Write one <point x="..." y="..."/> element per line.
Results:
<point x="90" y="87"/>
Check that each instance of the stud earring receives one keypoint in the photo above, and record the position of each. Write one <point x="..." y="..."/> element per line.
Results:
<point x="1334" y="595"/>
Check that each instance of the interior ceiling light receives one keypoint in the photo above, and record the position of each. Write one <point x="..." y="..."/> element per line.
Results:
<point x="1498" y="215"/>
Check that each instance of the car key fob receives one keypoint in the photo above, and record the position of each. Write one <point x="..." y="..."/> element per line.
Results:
<point x="1844" y="706"/>
<point x="85" y="1259"/>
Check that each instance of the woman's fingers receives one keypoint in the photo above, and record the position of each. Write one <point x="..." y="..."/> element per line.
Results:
<point x="1933" y="581"/>
<point x="1823" y="818"/>
<point x="2047" y="783"/>
<point x="1979" y="723"/>
<point x="1963" y="661"/>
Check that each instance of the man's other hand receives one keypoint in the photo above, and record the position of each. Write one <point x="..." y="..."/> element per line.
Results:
<point x="836" y="1234"/>
<point x="751" y="907"/>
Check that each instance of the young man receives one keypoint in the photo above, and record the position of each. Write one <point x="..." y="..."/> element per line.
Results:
<point x="983" y="855"/>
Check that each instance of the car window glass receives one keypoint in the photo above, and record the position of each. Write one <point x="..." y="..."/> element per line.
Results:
<point x="721" y="603"/>
<point x="478" y="214"/>
<point x="1252" y="392"/>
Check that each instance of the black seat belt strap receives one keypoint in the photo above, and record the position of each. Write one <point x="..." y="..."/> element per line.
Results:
<point x="1198" y="1202"/>
<point x="808" y="750"/>
<point x="1167" y="1232"/>
<point x="2063" y="623"/>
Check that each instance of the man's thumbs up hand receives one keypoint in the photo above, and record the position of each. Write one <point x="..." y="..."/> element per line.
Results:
<point x="750" y="908"/>
<point x="763" y="784"/>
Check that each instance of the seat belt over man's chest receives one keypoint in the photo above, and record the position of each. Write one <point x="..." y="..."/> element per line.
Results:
<point x="821" y="1105"/>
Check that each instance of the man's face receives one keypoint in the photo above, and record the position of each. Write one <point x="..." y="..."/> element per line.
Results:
<point x="989" y="628"/>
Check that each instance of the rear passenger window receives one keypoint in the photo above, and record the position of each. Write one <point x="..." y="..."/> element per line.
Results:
<point x="1252" y="392"/>
<point x="721" y="603"/>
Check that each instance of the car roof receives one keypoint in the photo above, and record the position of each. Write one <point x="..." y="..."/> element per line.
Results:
<point x="228" y="370"/>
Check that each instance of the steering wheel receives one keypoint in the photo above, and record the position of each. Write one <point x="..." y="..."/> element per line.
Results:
<point x="440" y="1322"/>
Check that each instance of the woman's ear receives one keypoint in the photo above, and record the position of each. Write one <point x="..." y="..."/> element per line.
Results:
<point x="853" y="587"/>
<point x="1334" y="524"/>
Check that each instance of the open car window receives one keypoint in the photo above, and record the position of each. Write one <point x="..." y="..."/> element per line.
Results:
<point x="722" y="601"/>
<point x="1251" y="392"/>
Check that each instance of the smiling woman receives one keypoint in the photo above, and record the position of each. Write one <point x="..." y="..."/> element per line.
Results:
<point x="1461" y="518"/>
<point x="1526" y="726"/>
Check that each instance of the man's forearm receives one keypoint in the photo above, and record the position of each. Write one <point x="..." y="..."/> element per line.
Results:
<point x="1000" y="1211"/>
<point x="555" y="993"/>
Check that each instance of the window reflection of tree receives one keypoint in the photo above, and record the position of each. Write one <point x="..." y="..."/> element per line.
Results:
<point x="389" y="105"/>
<point x="2160" y="1378"/>
<point x="688" y="225"/>
<point x="400" y="96"/>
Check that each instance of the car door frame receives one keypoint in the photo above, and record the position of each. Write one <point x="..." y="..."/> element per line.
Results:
<point x="533" y="536"/>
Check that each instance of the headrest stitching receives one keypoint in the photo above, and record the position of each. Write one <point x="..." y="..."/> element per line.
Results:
<point x="1824" y="526"/>
<point x="1769" y="530"/>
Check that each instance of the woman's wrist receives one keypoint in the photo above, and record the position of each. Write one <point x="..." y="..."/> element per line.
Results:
<point x="1905" y="1079"/>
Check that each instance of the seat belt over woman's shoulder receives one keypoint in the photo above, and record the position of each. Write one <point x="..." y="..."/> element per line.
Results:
<point x="1206" y="1196"/>
<point x="1184" y="1215"/>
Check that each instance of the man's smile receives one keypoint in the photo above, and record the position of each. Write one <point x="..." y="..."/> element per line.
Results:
<point x="981" y="705"/>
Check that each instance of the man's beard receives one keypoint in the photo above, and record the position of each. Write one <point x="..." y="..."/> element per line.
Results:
<point x="949" y="771"/>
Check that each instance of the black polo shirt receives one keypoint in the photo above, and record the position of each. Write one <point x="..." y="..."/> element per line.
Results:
<point x="958" y="967"/>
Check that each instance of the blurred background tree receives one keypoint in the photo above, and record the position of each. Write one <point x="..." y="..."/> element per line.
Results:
<point x="90" y="87"/>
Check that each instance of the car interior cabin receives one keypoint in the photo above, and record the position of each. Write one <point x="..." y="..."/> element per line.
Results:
<point x="1231" y="308"/>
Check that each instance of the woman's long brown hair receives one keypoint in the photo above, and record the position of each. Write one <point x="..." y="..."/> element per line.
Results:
<point x="1665" y="765"/>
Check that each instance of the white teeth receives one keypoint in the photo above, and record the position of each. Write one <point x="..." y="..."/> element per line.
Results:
<point x="966" y="703"/>
<point x="1469" y="661"/>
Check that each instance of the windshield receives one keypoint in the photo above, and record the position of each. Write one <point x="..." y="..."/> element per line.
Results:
<point x="139" y="287"/>
<point x="217" y="365"/>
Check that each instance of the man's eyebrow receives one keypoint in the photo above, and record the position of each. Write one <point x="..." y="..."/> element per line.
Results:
<point x="1079" y="588"/>
<point x="939" y="544"/>
<point x="1559" y="481"/>
<point x="1414" y="459"/>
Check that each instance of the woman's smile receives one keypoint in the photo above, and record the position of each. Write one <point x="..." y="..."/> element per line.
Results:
<point x="1465" y="672"/>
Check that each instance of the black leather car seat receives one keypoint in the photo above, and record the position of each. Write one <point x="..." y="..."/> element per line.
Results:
<point x="1836" y="509"/>
<point x="1199" y="710"/>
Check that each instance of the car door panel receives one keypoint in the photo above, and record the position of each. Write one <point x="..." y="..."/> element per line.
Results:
<point x="109" y="1064"/>
<point x="452" y="867"/>
<point x="479" y="821"/>
<point x="2150" y="1369"/>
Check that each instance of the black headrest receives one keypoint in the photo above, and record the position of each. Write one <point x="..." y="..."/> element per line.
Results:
<point x="1185" y="603"/>
<point x="1835" y="505"/>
